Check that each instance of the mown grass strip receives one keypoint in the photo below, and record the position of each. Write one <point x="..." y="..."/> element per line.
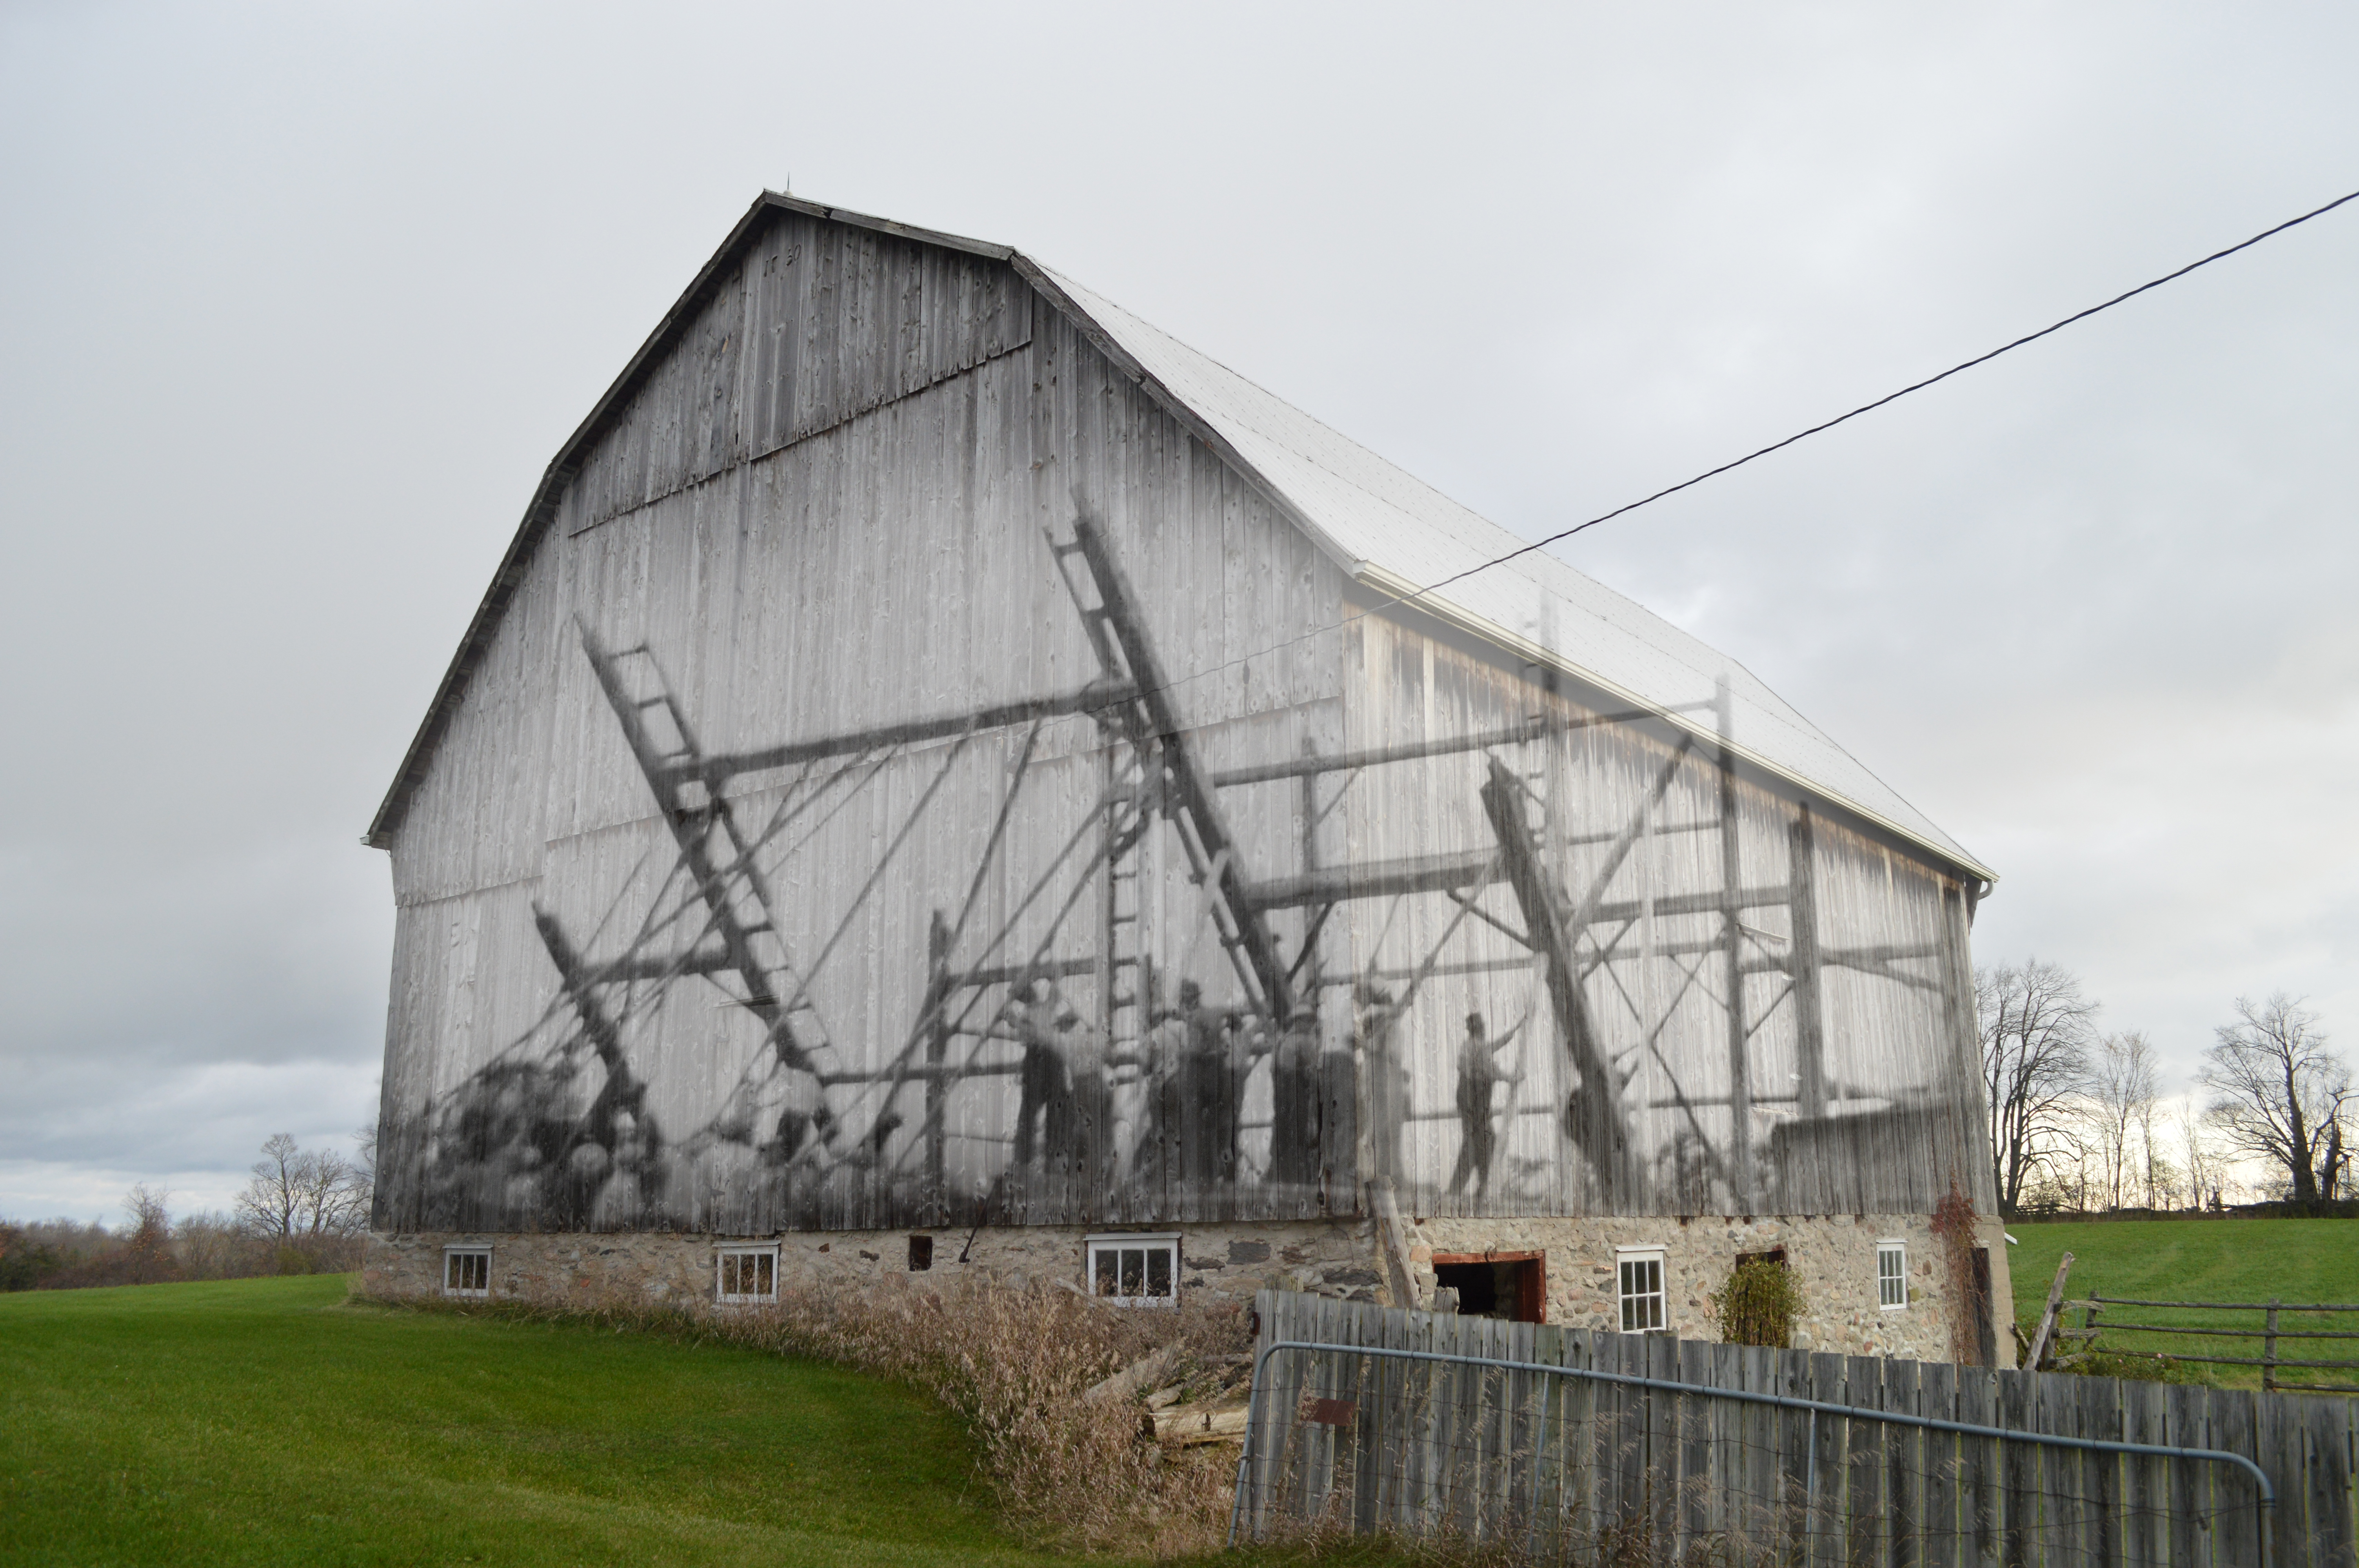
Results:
<point x="267" y="1422"/>
<point x="2200" y="1259"/>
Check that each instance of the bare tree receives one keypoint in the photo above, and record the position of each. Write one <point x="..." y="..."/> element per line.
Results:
<point x="2123" y="1082"/>
<point x="2279" y="1094"/>
<point x="302" y="1194"/>
<point x="2203" y="1162"/>
<point x="2161" y="1175"/>
<point x="2034" y="1035"/>
<point x="147" y="1247"/>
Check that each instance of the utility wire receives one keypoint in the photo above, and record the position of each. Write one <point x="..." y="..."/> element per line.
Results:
<point x="1896" y="397"/>
<point x="1779" y="445"/>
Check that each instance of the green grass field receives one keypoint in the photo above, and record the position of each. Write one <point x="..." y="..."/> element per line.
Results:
<point x="2309" y="1260"/>
<point x="266" y="1422"/>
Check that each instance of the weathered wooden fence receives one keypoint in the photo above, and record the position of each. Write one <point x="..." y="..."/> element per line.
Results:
<point x="2268" y="1332"/>
<point x="1590" y="1470"/>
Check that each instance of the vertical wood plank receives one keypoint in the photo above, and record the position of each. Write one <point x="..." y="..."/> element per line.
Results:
<point x="2328" y="1488"/>
<point x="2188" y="1412"/>
<point x="1662" y="1420"/>
<point x="2235" y="1503"/>
<point x="1981" y="1500"/>
<point x="2146" y="1482"/>
<point x="1829" y="1463"/>
<point x="1904" y="1461"/>
<point x="1938" y="1532"/>
<point x="1869" y="1534"/>
<point x="2019" y="1474"/>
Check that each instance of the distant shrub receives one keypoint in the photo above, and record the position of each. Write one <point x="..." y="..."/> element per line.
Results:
<point x="1758" y="1305"/>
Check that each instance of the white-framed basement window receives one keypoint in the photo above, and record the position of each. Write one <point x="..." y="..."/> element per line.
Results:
<point x="1133" y="1270"/>
<point x="1891" y="1274"/>
<point x="742" y="1275"/>
<point x="466" y="1271"/>
<point x="1638" y="1280"/>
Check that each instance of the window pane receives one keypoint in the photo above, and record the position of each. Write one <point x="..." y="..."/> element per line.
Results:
<point x="1133" y="1270"/>
<point x="1159" y="1272"/>
<point x="1104" y="1261"/>
<point x="767" y="1272"/>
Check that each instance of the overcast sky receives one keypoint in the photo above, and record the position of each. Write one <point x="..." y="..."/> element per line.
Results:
<point x="296" y="303"/>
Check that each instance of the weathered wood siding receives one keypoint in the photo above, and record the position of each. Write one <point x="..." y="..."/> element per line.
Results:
<point x="880" y="556"/>
<point x="1879" y="1121"/>
<point x="985" y="976"/>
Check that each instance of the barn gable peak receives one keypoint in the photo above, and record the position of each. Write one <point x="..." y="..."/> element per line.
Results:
<point x="1389" y="532"/>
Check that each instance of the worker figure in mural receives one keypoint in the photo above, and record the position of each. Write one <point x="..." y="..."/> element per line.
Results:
<point x="1204" y="1089"/>
<point x="1386" y="1075"/>
<point x="1087" y="1123"/>
<point x="1478" y="1075"/>
<point x="1045" y="1112"/>
<point x="1294" y="1102"/>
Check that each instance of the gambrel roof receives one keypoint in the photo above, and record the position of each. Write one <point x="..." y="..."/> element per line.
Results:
<point x="1390" y="531"/>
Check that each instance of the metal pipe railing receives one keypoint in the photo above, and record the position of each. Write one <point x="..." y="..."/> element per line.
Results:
<point x="2268" y="1500"/>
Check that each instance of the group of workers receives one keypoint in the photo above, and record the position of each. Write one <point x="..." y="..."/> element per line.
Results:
<point x="1193" y="1064"/>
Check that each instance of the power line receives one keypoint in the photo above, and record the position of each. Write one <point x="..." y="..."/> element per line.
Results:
<point x="1896" y="397"/>
<point x="1780" y="445"/>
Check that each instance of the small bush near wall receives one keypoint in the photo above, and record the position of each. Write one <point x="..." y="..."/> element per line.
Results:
<point x="1758" y="1305"/>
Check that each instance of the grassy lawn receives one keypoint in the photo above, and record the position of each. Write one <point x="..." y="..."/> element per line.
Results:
<point x="2309" y="1260"/>
<point x="266" y="1422"/>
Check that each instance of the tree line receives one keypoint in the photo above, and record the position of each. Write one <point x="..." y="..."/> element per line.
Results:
<point x="304" y="1211"/>
<point x="2079" y="1121"/>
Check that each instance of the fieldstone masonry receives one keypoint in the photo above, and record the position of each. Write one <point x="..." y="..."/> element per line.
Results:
<point x="1833" y="1258"/>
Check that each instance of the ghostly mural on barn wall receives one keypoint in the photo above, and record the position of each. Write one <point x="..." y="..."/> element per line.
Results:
<point x="1071" y="959"/>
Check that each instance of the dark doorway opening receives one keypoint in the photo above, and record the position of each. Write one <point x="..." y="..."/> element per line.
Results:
<point x="1979" y="1305"/>
<point x="1510" y="1286"/>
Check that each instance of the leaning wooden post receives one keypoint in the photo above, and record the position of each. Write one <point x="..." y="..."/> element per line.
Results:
<point x="2269" y="1352"/>
<point x="2040" y="1341"/>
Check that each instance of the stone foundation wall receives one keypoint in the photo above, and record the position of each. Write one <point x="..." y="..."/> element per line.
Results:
<point x="1833" y="1258"/>
<point x="1331" y="1257"/>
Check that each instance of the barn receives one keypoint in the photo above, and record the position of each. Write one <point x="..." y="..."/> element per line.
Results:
<point x="948" y="779"/>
